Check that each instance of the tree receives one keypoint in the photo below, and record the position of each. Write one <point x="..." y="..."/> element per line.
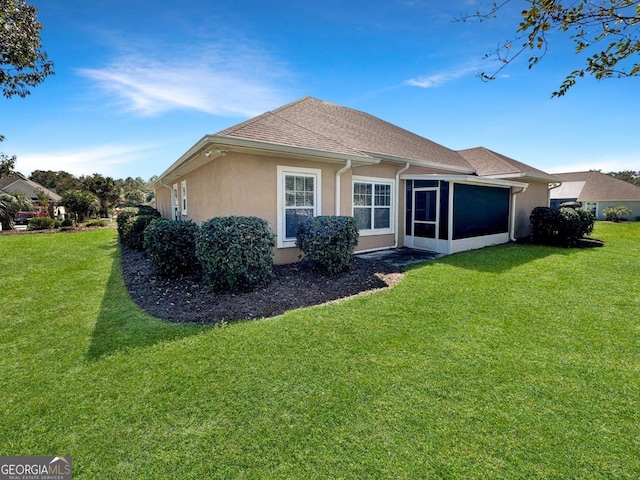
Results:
<point x="6" y="162"/>
<point x="628" y="176"/>
<point x="23" y="63"/>
<point x="605" y="33"/>
<point x="79" y="202"/>
<point x="134" y="191"/>
<point x="105" y="189"/>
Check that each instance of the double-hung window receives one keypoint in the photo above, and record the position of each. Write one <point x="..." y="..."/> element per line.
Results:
<point x="373" y="205"/>
<point x="298" y="199"/>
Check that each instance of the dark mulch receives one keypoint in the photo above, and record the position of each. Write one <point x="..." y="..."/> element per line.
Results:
<point x="188" y="299"/>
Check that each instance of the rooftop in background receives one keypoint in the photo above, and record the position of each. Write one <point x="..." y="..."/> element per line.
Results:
<point x="595" y="187"/>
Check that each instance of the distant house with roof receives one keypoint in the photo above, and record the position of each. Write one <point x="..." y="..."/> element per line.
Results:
<point x="311" y="158"/>
<point x="18" y="183"/>
<point x="596" y="191"/>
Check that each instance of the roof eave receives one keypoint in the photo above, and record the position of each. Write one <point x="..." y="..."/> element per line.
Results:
<point x="471" y="179"/>
<point x="196" y="156"/>
<point x="532" y="176"/>
<point x="420" y="163"/>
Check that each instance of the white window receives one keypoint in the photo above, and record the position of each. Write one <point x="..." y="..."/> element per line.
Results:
<point x="298" y="199"/>
<point x="373" y="205"/>
<point x="183" y="186"/>
<point x="175" y="201"/>
<point x="590" y="207"/>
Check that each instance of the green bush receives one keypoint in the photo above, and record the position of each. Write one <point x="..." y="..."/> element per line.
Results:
<point x="587" y="222"/>
<point x="562" y="227"/>
<point x="147" y="210"/>
<point x="97" y="223"/>
<point x="135" y="236"/>
<point x="236" y="252"/>
<point x="124" y="221"/>
<point x="66" y="223"/>
<point x="329" y="242"/>
<point x="43" y="223"/>
<point x="171" y="247"/>
<point x="617" y="214"/>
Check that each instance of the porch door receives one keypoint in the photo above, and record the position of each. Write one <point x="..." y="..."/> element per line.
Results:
<point x="426" y="218"/>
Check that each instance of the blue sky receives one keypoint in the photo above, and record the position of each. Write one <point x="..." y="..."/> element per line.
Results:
<point x="139" y="82"/>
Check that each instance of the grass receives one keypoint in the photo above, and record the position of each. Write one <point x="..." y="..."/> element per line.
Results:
<point x="507" y="362"/>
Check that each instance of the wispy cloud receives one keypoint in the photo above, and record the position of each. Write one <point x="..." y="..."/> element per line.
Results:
<point x="105" y="159"/>
<point x="215" y="78"/>
<point x="438" y="79"/>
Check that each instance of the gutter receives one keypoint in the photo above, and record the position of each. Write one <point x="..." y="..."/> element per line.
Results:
<point x="339" y="173"/>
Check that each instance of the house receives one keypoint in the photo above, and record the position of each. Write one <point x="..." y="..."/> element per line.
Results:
<point x="312" y="157"/>
<point x="596" y="191"/>
<point x="16" y="182"/>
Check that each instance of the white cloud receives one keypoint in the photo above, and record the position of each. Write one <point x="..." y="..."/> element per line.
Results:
<point x="438" y="79"/>
<point x="216" y="78"/>
<point x="104" y="159"/>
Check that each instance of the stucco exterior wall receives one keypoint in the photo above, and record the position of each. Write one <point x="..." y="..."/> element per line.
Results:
<point x="246" y="184"/>
<point x="536" y="195"/>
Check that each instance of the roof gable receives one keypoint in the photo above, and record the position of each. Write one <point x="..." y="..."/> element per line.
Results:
<point x="490" y="163"/>
<point x="313" y="123"/>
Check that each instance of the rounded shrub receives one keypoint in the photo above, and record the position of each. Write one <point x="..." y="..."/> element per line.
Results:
<point x="147" y="210"/>
<point x="43" y="223"/>
<point x="124" y="221"/>
<point x="235" y="252"/>
<point x="66" y="223"/>
<point x="171" y="247"/>
<point x="135" y="236"/>
<point x="329" y="242"/>
<point x="562" y="227"/>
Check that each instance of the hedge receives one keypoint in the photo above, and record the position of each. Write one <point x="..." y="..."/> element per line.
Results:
<point x="236" y="252"/>
<point x="329" y="242"/>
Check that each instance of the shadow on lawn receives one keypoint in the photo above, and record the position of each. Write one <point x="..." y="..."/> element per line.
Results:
<point x="122" y="325"/>
<point x="501" y="258"/>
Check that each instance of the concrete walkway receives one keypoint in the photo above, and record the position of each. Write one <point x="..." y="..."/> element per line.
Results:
<point x="400" y="257"/>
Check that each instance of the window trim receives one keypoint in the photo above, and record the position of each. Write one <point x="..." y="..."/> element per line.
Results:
<point x="183" y="197"/>
<point x="376" y="181"/>
<point x="283" y="171"/>
<point x="174" y="201"/>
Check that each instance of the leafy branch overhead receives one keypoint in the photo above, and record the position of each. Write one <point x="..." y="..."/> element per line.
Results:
<point x="23" y="64"/>
<point x="605" y="34"/>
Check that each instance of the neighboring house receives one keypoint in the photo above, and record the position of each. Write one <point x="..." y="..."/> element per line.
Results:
<point x="596" y="191"/>
<point x="17" y="182"/>
<point x="312" y="157"/>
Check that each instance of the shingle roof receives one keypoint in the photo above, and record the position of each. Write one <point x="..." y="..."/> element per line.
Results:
<point x="313" y="123"/>
<point x="599" y="187"/>
<point x="17" y="177"/>
<point x="487" y="162"/>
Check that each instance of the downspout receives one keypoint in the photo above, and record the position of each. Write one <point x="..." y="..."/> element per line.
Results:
<point x="339" y="173"/>
<point x="512" y="233"/>
<point x="395" y="212"/>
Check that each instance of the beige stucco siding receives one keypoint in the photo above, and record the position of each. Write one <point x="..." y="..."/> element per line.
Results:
<point x="536" y="195"/>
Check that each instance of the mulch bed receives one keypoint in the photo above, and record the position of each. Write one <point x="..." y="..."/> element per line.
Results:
<point x="189" y="299"/>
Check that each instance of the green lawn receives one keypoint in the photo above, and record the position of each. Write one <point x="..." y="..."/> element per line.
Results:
<point x="507" y="362"/>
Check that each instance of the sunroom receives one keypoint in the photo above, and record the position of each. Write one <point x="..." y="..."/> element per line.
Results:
<point x="454" y="213"/>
